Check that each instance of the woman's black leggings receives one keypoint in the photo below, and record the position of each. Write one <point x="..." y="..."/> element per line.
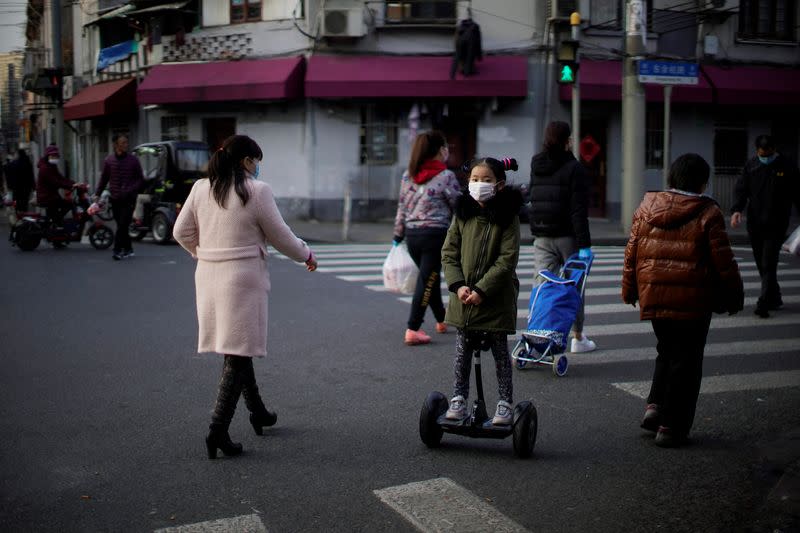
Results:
<point x="425" y="248"/>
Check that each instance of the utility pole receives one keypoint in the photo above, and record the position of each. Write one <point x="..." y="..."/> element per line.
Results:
<point x="633" y="111"/>
<point x="55" y="20"/>
<point x="575" y="22"/>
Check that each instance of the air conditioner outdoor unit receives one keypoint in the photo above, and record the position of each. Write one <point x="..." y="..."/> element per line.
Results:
<point x="344" y="22"/>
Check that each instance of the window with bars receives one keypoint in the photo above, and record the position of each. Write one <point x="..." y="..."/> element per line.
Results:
<point x="421" y="12"/>
<point x="654" y="137"/>
<point x="245" y="10"/>
<point x="378" y="142"/>
<point x="769" y="20"/>
<point x="174" y="128"/>
<point x="730" y="149"/>
<point x="610" y="14"/>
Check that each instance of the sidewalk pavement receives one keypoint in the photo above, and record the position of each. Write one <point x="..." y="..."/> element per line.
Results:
<point x="604" y="232"/>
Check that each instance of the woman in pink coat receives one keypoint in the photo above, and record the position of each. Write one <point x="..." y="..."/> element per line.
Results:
<point x="226" y="224"/>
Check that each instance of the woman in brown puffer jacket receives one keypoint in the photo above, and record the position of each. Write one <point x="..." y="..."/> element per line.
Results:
<point x="680" y="267"/>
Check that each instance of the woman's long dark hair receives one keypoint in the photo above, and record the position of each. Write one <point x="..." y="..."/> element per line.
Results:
<point x="426" y="146"/>
<point x="225" y="169"/>
<point x="556" y="136"/>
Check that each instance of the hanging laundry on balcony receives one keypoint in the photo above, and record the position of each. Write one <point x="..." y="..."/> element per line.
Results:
<point x="468" y="48"/>
<point x="118" y="52"/>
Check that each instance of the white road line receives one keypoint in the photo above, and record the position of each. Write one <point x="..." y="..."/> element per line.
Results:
<point x="604" y="309"/>
<point x="742" y="320"/>
<point x="718" y="349"/>
<point x="442" y="505"/>
<point x="372" y="266"/>
<point x="362" y="277"/>
<point x="595" y="291"/>
<point x="248" y="523"/>
<point x="726" y="383"/>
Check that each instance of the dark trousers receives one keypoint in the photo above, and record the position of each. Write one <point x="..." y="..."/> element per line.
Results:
<point x="123" y="215"/>
<point x="766" y="249"/>
<point x="57" y="209"/>
<point x="238" y="379"/>
<point x="22" y="198"/>
<point x="425" y="248"/>
<point x="679" y="370"/>
<point x="463" y="362"/>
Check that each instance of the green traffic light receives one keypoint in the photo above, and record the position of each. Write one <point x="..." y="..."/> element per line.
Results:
<point x="567" y="74"/>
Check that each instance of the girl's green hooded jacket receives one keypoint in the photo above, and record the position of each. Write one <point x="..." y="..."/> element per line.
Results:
<point x="481" y="251"/>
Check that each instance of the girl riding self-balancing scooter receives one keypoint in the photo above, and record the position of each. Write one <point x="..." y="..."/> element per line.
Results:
<point x="433" y="421"/>
<point x="479" y="257"/>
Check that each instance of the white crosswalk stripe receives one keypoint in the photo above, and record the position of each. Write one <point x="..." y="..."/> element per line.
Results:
<point x="440" y="504"/>
<point x="362" y="264"/>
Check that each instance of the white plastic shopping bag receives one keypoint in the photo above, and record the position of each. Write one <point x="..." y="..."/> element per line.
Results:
<point x="399" y="271"/>
<point x="792" y="244"/>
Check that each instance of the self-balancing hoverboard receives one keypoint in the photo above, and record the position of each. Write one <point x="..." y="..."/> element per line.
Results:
<point x="478" y="424"/>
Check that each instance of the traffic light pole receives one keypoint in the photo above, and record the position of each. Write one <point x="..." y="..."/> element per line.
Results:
<point x="575" y="21"/>
<point x="633" y="112"/>
<point x="55" y="18"/>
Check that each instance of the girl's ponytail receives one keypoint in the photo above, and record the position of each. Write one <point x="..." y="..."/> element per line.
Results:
<point x="498" y="166"/>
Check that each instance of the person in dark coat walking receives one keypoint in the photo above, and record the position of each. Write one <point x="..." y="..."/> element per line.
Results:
<point x="122" y="173"/>
<point x="768" y="186"/>
<point x="20" y="180"/>
<point x="559" y="190"/>
<point x="48" y="185"/>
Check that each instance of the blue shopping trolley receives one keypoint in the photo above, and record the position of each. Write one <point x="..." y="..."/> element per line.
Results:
<point x="552" y="309"/>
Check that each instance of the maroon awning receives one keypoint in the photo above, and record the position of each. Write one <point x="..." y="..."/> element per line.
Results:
<point x="413" y="76"/>
<point x="102" y="99"/>
<point x="602" y="80"/>
<point x="735" y="85"/>
<point x="219" y="81"/>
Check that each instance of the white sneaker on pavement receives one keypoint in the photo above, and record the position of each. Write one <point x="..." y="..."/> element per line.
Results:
<point x="504" y="414"/>
<point x="583" y="345"/>
<point x="457" y="409"/>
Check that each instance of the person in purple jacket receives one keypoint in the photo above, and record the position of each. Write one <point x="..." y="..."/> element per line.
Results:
<point x="122" y="173"/>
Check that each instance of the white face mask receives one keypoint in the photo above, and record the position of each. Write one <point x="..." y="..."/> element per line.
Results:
<point x="481" y="191"/>
<point x="54" y="161"/>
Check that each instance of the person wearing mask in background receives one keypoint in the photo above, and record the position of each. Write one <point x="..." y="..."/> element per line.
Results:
<point x="768" y="186"/>
<point x="428" y="194"/>
<point x="20" y="180"/>
<point x="226" y="224"/>
<point x="559" y="190"/>
<point x="122" y="173"/>
<point x="48" y="185"/>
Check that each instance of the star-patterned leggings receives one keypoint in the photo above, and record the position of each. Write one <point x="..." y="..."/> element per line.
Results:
<point x="502" y="362"/>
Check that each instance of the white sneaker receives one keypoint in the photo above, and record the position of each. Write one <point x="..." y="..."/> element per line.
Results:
<point x="504" y="414"/>
<point x="583" y="345"/>
<point x="457" y="409"/>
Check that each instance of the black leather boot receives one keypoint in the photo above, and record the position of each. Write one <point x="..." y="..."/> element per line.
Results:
<point x="218" y="438"/>
<point x="261" y="420"/>
<point x="230" y="388"/>
<point x="260" y="416"/>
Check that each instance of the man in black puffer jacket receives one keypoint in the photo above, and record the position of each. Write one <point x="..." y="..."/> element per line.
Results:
<point x="559" y="220"/>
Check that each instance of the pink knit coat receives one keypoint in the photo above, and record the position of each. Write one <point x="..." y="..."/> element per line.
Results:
<point x="232" y="278"/>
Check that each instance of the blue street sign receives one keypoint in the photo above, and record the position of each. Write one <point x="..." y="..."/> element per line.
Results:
<point x="668" y="72"/>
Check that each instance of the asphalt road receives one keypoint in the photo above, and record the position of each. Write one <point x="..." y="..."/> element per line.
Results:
<point x="104" y="405"/>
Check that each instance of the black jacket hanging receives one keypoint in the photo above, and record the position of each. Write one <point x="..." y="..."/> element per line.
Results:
<point x="468" y="48"/>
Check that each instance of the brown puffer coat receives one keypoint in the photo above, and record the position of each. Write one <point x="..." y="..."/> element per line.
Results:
<point x="678" y="262"/>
